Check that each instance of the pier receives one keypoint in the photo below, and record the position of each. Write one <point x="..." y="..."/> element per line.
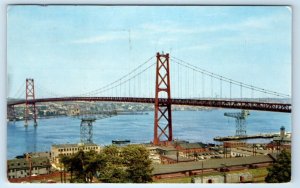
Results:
<point x="228" y="138"/>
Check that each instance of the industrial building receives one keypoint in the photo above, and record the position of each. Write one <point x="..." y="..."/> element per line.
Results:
<point x="69" y="149"/>
<point x="209" y="166"/>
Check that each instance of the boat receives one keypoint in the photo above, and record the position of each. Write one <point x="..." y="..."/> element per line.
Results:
<point x="120" y="141"/>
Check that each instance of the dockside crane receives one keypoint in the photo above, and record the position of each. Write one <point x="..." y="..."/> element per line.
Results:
<point x="240" y="118"/>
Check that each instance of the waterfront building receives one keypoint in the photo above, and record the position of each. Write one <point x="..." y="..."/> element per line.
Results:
<point x="211" y="166"/>
<point x="25" y="167"/>
<point x="69" y="149"/>
<point x="191" y="148"/>
<point x="233" y="144"/>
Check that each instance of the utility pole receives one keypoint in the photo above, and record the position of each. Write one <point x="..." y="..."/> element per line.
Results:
<point x="202" y="173"/>
<point x="224" y="168"/>
<point x="28" y="158"/>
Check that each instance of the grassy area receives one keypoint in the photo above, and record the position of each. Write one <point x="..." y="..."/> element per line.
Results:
<point x="258" y="174"/>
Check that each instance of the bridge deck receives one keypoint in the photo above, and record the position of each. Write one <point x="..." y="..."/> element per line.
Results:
<point x="233" y="104"/>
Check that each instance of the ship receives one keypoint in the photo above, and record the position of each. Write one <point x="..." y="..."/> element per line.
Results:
<point x="120" y="142"/>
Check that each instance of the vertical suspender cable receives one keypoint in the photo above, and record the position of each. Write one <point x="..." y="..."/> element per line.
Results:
<point x="230" y="90"/>
<point x="211" y="87"/>
<point x="221" y="87"/>
<point x="241" y="91"/>
<point x="203" y="85"/>
<point x="194" y="96"/>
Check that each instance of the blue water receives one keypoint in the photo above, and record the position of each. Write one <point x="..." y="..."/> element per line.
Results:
<point x="188" y="125"/>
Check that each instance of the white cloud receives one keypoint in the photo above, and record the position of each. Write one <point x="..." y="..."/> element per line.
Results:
<point x="102" y="38"/>
<point x="251" y="23"/>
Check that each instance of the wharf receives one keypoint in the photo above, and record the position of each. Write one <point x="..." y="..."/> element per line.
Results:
<point x="228" y="138"/>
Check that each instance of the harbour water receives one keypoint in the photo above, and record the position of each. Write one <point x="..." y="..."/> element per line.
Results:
<point x="194" y="126"/>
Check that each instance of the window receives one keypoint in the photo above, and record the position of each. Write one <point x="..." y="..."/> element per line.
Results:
<point x="18" y="164"/>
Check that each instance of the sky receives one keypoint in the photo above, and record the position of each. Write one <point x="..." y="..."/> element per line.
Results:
<point x="71" y="50"/>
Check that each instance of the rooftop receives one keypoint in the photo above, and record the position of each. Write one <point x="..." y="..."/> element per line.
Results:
<point x="180" y="159"/>
<point x="212" y="163"/>
<point x="73" y="145"/>
<point x="23" y="163"/>
<point x="191" y="145"/>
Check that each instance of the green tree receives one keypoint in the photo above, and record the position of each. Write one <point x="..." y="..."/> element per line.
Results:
<point x="113" y="172"/>
<point x="137" y="163"/>
<point x="280" y="171"/>
<point x="83" y="165"/>
<point x="93" y="163"/>
<point x="130" y="164"/>
<point x="112" y="154"/>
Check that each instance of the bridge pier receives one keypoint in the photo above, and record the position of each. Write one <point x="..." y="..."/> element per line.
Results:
<point x="11" y="113"/>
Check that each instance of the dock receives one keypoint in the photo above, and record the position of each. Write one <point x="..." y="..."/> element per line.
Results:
<point x="228" y="138"/>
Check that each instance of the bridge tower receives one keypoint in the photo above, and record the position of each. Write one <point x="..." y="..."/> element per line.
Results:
<point x="162" y="111"/>
<point x="86" y="130"/>
<point x="29" y="105"/>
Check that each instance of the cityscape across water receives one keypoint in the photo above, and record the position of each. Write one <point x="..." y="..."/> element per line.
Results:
<point x="193" y="126"/>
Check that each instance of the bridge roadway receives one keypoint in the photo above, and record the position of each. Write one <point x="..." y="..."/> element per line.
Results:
<point x="233" y="104"/>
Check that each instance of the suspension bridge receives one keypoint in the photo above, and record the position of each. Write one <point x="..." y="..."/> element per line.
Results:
<point x="150" y="83"/>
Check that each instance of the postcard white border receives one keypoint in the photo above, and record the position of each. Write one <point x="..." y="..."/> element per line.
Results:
<point x="295" y="84"/>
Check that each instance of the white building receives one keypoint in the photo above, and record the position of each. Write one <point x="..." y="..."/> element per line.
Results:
<point x="69" y="149"/>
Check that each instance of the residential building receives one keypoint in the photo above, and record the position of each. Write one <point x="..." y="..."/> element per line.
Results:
<point x="24" y="167"/>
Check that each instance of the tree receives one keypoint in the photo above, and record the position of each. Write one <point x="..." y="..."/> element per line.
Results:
<point x="280" y="172"/>
<point x="137" y="163"/>
<point x="83" y="165"/>
<point x="114" y="171"/>
<point x="113" y="174"/>
<point x="130" y="164"/>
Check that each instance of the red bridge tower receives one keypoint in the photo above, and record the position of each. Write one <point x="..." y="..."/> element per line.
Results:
<point x="162" y="113"/>
<point x="29" y="105"/>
